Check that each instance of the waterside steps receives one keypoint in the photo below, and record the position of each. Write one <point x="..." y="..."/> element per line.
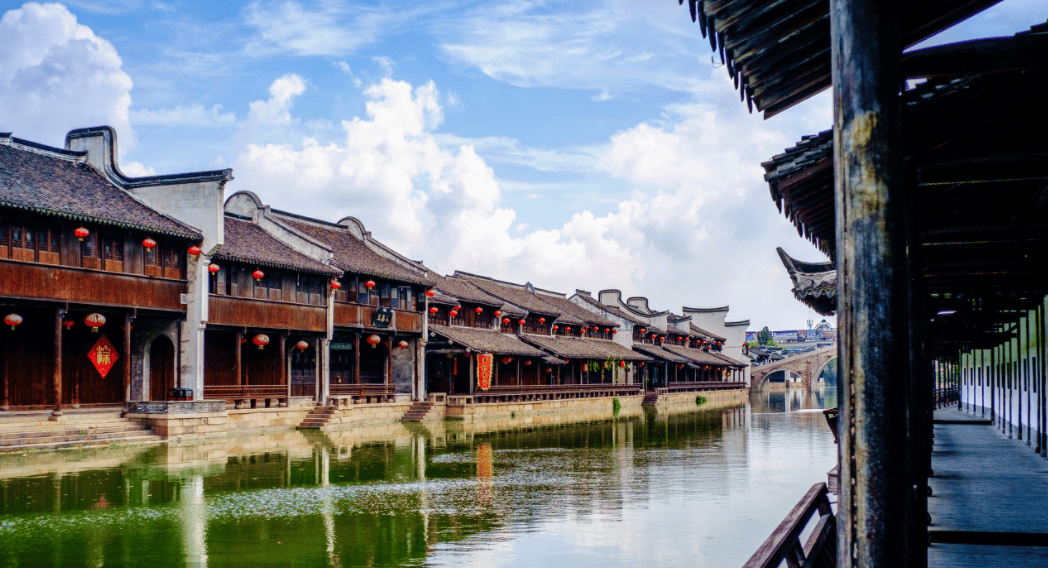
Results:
<point x="76" y="428"/>
<point x="650" y="399"/>
<point x="318" y="417"/>
<point x="418" y="412"/>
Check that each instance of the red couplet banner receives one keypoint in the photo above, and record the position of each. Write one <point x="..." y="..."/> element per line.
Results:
<point x="484" y="371"/>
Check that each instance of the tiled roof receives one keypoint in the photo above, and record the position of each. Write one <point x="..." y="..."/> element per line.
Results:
<point x="247" y="242"/>
<point x="52" y="181"/>
<point x="516" y="295"/>
<point x="582" y="314"/>
<point x="615" y="310"/>
<point x="659" y="353"/>
<point x="697" y="355"/>
<point x="351" y="254"/>
<point x="579" y="348"/>
<point x="705" y="334"/>
<point x="486" y="341"/>
<point x="463" y="290"/>
<point x="729" y="360"/>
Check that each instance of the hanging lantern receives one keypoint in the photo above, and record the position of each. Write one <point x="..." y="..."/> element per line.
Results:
<point x="81" y="233"/>
<point x="429" y="293"/>
<point x="527" y="362"/>
<point x="622" y="364"/>
<point x="335" y="284"/>
<point x="642" y="330"/>
<point x="606" y="330"/>
<point x="498" y="313"/>
<point x="507" y="360"/>
<point x="370" y="284"/>
<point x="505" y="320"/>
<point x="68" y="324"/>
<point x="374" y="340"/>
<point x="614" y="331"/>
<point x="261" y="340"/>
<point x="258" y="274"/>
<point x="521" y="322"/>
<point x="403" y="344"/>
<point x="454" y="313"/>
<point x="556" y="327"/>
<point x="194" y="250"/>
<point x="213" y="268"/>
<point x="302" y="345"/>
<point x="433" y="310"/>
<point x="480" y="310"/>
<point x="13" y="320"/>
<point x="148" y="243"/>
<point x="542" y="320"/>
<point x="567" y="328"/>
<point x="95" y="321"/>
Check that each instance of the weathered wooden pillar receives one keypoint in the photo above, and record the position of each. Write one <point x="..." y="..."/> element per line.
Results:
<point x="5" y="403"/>
<point x="239" y="357"/>
<point x="57" y="379"/>
<point x="876" y="518"/>
<point x="472" y="373"/>
<point x="1043" y="438"/>
<point x="127" y="359"/>
<point x="285" y="376"/>
<point x="356" y="358"/>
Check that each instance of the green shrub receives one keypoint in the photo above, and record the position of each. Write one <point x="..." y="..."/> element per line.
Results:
<point x="700" y="400"/>
<point x="615" y="406"/>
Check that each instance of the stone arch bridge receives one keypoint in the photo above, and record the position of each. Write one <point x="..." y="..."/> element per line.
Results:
<point x="807" y="365"/>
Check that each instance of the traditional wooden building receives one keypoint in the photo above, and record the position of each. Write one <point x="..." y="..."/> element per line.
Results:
<point x="95" y="282"/>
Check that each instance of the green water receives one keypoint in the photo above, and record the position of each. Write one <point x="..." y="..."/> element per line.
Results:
<point x="694" y="489"/>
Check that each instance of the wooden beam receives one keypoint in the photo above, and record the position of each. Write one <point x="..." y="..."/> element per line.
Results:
<point x="990" y="55"/>
<point x="984" y="168"/>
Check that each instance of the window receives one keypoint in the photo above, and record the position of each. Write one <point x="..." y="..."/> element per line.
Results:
<point x="113" y="253"/>
<point x="89" y="254"/>
<point x="383" y="295"/>
<point x="405" y="298"/>
<point x="362" y="292"/>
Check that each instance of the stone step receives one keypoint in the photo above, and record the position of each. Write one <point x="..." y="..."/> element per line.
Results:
<point x="67" y="431"/>
<point x="8" y="422"/>
<point x="51" y="444"/>
<point x="74" y="438"/>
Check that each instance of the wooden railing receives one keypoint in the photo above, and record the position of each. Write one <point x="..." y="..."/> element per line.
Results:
<point x="518" y="393"/>
<point x="64" y="283"/>
<point x="819" y="551"/>
<point x="241" y="394"/>
<point x="699" y="386"/>
<point x="249" y="312"/>
<point x="365" y="392"/>
<point x="949" y="396"/>
<point x="357" y="315"/>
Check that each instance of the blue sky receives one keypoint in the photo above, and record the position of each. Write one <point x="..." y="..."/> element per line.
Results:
<point x="573" y="144"/>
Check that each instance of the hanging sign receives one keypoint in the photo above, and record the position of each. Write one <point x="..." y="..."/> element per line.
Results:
<point x="382" y="317"/>
<point x="484" y="371"/>
<point x="103" y="356"/>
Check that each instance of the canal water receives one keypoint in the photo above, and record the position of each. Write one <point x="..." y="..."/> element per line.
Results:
<point x="691" y="489"/>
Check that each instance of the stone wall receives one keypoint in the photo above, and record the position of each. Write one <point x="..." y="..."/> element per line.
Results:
<point x="178" y="426"/>
<point x="685" y="401"/>
<point x="544" y="412"/>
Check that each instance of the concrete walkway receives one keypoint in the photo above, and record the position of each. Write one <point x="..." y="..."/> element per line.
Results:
<point x="989" y="505"/>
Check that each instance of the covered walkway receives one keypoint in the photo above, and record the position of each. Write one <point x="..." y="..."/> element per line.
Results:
<point x="989" y="503"/>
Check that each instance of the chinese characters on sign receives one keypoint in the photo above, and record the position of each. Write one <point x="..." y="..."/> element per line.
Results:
<point x="103" y="356"/>
<point x="382" y="318"/>
<point x="484" y="371"/>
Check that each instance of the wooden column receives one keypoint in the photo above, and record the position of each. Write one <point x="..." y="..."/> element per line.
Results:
<point x="127" y="359"/>
<point x="472" y="374"/>
<point x="239" y="356"/>
<point x="57" y="383"/>
<point x="876" y="518"/>
<point x="5" y="403"/>
<point x="356" y="358"/>
<point x="284" y="375"/>
<point x="389" y="361"/>
<point x="520" y="379"/>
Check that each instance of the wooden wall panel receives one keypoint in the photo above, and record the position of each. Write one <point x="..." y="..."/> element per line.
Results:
<point x="347" y="315"/>
<point x="227" y="310"/>
<point x="22" y="280"/>
<point x="219" y="358"/>
<point x="27" y="356"/>
<point x="262" y="366"/>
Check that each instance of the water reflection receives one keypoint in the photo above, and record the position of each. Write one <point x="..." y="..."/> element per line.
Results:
<point x="699" y="488"/>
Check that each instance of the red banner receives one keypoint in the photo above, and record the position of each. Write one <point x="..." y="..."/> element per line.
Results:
<point x="484" y="371"/>
<point x="103" y="356"/>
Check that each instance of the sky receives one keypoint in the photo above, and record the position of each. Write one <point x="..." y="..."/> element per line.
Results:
<point x="575" y="145"/>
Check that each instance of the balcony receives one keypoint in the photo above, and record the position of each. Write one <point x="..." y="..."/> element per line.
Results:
<point x="356" y="315"/>
<point x="85" y="286"/>
<point x="248" y="312"/>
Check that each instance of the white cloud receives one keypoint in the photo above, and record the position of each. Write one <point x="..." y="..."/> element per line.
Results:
<point x="345" y="68"/>
<point x="57" y="75"/>
<point x="193" y="116"/>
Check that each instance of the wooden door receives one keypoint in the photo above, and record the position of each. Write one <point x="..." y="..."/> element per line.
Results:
<point x="162" y="369"/>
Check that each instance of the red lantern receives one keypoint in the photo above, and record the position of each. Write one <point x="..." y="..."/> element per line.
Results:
<point x="542" y="320"/>
<point x="480" y="310"/>
<point x="606" y="330"/>
<point x="454" y="313"/>
<point x="527" y="362"/>
<point x="498" y="313"/>
<point x="149" y="243"/>
<point x="507" y="360"/>
<point x="68" y="324"/>
<point x="521" y="322"/>
<point x="614" y="331"/>
<point x="403" y="344"/>
<point x="302" y="345"/>
<point x="258" y="274"/>
<point x="556" y="327"/>
<point x="261" y="340"/>
<point x="95" y="321"/>
<point x="429" y="293"/>
<point x="213" y="268"/>
<point x="81" y="233"/>
<point x="642" y="330"/>
<point x="13" y="320"/>
<point x="567" y="328"/>
<point x="194" y="250"/>
<point x="370" y="284"/>
<point x="622" y="364"/>
<point x="583" y="329"/>
<point x="433" y="310"/>
<point x="335" y="284"/>
<point x="374" y="340"/>
<point x="505" y="320"/>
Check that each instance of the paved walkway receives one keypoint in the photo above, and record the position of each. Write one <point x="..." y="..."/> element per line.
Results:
<point x="989" y="494"/>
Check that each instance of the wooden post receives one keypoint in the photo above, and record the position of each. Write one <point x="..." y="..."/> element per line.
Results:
<point x="876" y="502"/>
<point x="389" y="361"/>
<point x="5" y="404"/>
<point x="285" y="376"/>
<point x="1043" y="440"/>
<point x="356" y="358"/>
<point x="519" y="378"/>
<point x="239" y="355"/>
<point x="472" y="374"/>
<point x="58" y="365"/>
<point x="127" y="360"/>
